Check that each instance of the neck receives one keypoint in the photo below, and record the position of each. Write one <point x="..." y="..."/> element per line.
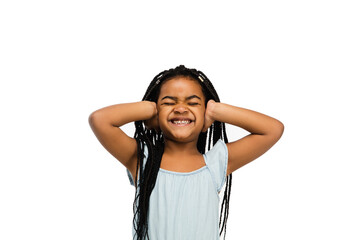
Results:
<point x="180" y="148"/>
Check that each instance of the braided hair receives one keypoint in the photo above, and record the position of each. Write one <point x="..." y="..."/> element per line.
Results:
<point x="155" y="143"/>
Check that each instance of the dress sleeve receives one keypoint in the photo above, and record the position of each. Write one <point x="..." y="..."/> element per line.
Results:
<point x="217" y="161"/>
<point x="130" y="176"/>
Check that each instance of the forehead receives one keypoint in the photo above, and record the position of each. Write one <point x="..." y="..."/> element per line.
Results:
<point x="181" y="87"/>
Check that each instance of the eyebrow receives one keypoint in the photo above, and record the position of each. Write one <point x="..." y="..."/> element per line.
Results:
<point x="187" y="98"/>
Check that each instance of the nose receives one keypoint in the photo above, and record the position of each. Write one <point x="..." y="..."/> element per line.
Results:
<point x="180" y="108"/>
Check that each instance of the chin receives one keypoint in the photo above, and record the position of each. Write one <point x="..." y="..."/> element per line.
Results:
<point x="183" y="136"/>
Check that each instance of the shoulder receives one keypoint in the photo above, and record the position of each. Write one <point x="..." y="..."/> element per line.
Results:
<point x="131" y="171"/>
<point x="219" y="147"/>
<point x="217" y="162"/>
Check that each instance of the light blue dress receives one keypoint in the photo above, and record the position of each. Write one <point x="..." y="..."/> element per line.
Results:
<point x="185" y="205"/>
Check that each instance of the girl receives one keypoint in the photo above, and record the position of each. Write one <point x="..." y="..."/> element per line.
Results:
<point x="178" y="185"/>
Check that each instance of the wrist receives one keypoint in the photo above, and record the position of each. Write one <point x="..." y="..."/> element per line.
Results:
<point x="151" y="108"/>
<point x="212" y="109"/>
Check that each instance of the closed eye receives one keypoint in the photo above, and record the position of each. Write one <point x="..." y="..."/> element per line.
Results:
<point x="191" y="104"/>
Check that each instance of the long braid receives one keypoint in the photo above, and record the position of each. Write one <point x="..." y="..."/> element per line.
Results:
<point x="154" y="142"/>
<point x="220" y="134"/>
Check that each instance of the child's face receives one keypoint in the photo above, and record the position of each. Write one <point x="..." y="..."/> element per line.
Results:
<point x="181" y="109"/>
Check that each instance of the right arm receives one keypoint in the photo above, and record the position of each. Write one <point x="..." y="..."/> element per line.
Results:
<point x="105" y="123"/>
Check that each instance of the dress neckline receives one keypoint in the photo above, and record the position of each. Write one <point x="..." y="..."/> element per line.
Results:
<point x="186" y="173"/>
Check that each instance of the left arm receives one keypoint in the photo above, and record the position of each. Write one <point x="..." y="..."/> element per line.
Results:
<point x="264" y="131"/>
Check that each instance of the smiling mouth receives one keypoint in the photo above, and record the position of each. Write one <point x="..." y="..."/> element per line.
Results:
<point x="182" y="122"/>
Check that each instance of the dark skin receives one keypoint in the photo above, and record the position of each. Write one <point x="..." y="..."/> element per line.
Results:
<point x="264" y="130"/>
<point x="180" y="98"/>
<point x="180" y="140"/>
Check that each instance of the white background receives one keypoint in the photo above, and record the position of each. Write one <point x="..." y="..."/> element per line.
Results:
<point x="297" y="61"/>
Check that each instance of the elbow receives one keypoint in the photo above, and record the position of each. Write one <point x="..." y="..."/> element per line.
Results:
<point x="275" y="131"/>
<point x="278" y="130"/>
<point x="92" y="118"/>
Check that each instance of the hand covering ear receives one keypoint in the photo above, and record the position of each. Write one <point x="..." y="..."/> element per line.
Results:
<point x="208" y="120"/>
<point x="153" y="122"/>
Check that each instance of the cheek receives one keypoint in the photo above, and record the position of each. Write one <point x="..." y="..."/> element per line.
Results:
<point x="201" y="116"/>
<point x="162" y="115"/>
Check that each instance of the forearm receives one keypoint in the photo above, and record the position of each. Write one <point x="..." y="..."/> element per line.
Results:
<point x="254" y="122"/>
<point x="120" y="114"/>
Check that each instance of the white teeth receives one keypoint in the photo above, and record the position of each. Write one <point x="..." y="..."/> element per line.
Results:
<point x="182" y="122"/>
